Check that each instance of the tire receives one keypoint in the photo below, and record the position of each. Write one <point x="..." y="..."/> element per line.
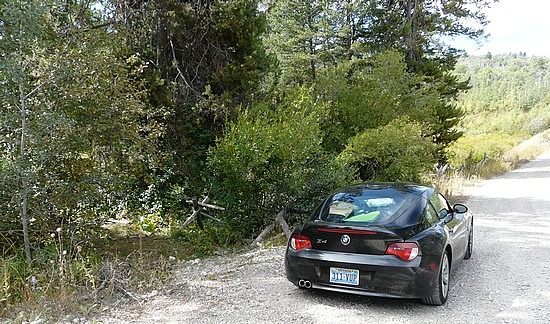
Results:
<point x="441" y="291"/>
<point x="470" y="248"/>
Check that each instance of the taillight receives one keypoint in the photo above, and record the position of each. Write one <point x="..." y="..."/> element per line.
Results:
<point x="405" y="251"/>
<point x="298" y="242"/>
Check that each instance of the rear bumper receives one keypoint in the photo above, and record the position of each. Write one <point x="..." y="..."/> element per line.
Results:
<point x="379" y="275"/>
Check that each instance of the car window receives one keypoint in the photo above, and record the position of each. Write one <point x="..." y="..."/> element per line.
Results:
<point x="365" y="207"/>
<point x="430" y="214"/>
<point x="439" y="202"/>
<point x="443" y="201"/>
<point x="436" y="202"/>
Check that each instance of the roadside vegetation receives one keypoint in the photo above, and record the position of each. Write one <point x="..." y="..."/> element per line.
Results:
<point x="506" y="111"/>
<point x="113" y="114"/>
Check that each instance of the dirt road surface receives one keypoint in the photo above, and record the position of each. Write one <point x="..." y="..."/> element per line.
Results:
<point x="507" y="280"/>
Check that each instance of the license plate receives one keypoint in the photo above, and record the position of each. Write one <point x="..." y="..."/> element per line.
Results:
<point x="344" y="276"/>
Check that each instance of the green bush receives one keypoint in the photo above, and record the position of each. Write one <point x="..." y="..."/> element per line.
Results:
<point x="269" y="160"/>
<point x="470" y="150"/>
<point x="539" y="124"/>
<point x="395" y="152"/>
<point x="371" y="92"/>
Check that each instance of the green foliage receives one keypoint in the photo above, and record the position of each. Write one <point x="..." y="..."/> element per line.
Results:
<point x="238" y="27"/>
<point x="342" y="45"/>
<point x="398" y="151"/>
<point x="471" y="150"/>
<point x="268" y="159"/>
<point x="262" y="161"/>
<point x="81" y="110"/>
<point x="366" y="94"/>
<point x="512" y="87"/>
<point x="509" y="101"/>
<point x="296" y="32"/>
<point x="201" y="61"/>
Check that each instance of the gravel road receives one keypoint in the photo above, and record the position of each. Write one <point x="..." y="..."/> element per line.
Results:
<point x="507" y="280"/>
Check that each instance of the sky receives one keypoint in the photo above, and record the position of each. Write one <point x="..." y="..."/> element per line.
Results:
<point x="515" y="26"/>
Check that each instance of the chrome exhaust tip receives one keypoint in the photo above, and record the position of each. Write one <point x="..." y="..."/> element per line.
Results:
<point x="304" y="283"/>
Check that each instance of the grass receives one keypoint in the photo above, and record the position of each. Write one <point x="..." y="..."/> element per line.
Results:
<point x="453" y="184"/>
<point x="85" y="281"/>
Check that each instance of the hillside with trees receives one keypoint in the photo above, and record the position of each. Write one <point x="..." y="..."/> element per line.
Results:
<point x="508" y="102"/>
<point x="123" y="110"/>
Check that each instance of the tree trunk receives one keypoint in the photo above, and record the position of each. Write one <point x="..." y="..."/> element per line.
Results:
<point x="24" y="193"/>
<point x="24" y="190"/>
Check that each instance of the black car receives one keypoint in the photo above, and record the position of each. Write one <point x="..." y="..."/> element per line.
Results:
<point x="381" y="239"/>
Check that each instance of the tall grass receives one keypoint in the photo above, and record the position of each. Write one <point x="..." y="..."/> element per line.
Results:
<point x="67" y="278"/>
<point x="453" y="183"/>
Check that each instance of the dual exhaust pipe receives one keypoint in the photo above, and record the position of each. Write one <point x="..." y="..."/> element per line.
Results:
<point x="304" y="283"/>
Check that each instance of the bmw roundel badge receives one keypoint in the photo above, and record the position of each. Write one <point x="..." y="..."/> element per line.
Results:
<point x="345" y="239"/>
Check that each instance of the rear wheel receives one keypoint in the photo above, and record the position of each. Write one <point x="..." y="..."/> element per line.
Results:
<point x="470" y="248"/>
<point x="439" y="296"/>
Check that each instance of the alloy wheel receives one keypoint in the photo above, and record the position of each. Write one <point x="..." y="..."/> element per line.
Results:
<point x="445" y="276"/>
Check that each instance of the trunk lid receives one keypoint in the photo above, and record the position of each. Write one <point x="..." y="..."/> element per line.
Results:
<point x="351" y="239"/>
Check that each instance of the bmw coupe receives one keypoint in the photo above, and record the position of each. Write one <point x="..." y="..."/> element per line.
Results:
<point x="382" y="239"/>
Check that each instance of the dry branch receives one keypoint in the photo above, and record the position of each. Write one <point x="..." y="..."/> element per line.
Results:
<point x="198" y="211"/>
<point x="278" y="219"/>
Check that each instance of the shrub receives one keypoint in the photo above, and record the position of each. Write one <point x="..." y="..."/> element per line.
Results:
<point x="539" y="124"/>
<point x="471" y="150"/>
<point x="269" y="160"/>
<point x="371" y="92"/>
<point x="395" y="152"/>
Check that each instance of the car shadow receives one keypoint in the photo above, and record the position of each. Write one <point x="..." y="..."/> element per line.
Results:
<point x="352" y="300"/>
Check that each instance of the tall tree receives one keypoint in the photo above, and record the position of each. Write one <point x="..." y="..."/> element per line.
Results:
<point x="20" y="34"/>
<point x="203" y="60"/>
<point x="297" y="37"/>
<point x="360" y="28"/>
<point x="418" y="28"/>
<point x="74" y="107"/>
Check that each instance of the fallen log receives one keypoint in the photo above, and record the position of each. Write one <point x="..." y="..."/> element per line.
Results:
<point x="278" y="219"/>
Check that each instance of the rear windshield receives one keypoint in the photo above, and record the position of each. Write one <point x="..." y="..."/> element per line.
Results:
<point x="360" y="206"/>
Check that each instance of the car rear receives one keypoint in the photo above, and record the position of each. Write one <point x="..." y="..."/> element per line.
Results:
<point x="363" y="241"/>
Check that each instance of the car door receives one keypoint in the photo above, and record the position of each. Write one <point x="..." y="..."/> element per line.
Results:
<point x="458" y="229"/>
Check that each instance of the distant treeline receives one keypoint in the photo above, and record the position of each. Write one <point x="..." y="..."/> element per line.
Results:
<point x="514" y="87"/>
<point x="509" y="101"/>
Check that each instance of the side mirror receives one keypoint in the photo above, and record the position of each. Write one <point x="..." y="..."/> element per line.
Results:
<point x="445" y="215"/>
<point x="460" y="208"/>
